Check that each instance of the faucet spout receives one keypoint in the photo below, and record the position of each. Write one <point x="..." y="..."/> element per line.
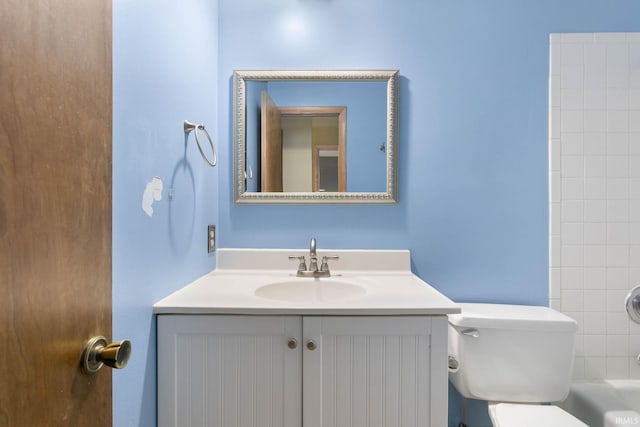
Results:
<point x="313" y="258"/>
<point x="312" y="247"/>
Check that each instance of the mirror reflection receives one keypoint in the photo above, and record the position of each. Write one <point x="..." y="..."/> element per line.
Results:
<point x="315" y="136"/>
<point x="313" y="152"/>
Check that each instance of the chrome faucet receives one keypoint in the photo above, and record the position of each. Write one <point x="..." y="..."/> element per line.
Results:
<point x="313" y="270"/>
<point x="313" y="257"/>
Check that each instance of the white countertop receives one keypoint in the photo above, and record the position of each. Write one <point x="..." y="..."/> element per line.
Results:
<point x="391" y="288"/>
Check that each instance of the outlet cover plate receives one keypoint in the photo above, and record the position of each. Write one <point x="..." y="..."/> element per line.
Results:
<point x="211" y="238"/>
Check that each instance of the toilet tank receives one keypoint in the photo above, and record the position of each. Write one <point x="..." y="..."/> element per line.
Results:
<point x="511" y="353"/>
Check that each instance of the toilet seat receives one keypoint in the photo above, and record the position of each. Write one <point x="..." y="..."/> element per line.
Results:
<point x="525" y="415"/>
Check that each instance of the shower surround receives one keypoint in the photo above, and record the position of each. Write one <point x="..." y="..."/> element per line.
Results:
<point x="594" y="167"/>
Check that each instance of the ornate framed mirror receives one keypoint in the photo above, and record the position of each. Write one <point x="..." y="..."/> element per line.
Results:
<point x="290" y="123"/>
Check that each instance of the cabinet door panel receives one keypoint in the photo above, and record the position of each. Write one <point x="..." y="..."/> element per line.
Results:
<point x="228" y="371"/>
<point x="367" y="371"/>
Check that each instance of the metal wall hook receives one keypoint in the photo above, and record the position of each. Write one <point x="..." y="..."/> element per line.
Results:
<point x="188" y="127"/>
<point x="248" y="173"/>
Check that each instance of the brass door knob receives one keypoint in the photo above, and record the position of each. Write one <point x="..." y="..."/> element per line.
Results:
<point x="97" y="352"/>
<point x="311" y="345"/>
<point x="292" y="344"/>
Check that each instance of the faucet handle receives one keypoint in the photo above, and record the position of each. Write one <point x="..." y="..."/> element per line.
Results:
<point x="325" y="264"/>
<point x="302" y="266"/>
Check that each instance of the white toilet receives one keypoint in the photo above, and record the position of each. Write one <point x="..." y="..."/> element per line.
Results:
<point x="516" y="357"/>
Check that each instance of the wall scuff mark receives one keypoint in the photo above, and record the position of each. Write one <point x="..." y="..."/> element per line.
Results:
<point x="152" y="192"/>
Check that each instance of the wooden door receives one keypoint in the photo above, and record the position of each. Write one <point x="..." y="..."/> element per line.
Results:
<point x="270" y="145"/>
<point x="223" y="371"/>
<point x="374" y="371"/>
<point x="55" y="209"/>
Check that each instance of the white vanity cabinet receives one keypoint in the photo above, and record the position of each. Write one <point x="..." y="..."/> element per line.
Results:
<point x="227" y="371"/>
<point x="302" y="371"/>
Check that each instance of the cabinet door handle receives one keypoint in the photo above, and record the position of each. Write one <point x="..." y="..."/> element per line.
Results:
<point x="292" y="344"/>
<point x="311" y="345"/>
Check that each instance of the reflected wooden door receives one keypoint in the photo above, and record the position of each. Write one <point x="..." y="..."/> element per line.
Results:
<point x="270" y="145"/>
<point x="55" y="209"/>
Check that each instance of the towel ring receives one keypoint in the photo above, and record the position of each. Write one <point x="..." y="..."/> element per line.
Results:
<point x="188" y="127"/>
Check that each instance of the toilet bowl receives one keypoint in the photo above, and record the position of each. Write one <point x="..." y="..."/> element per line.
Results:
<point x="519" y="358"/>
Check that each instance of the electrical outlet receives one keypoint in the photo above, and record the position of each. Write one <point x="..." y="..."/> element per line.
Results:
<point x="211" y="238"/>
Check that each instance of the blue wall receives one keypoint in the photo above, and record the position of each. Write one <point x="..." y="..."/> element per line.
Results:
<point x="473" y="129"/>
<point x="164" y="71"/>
<point x="473" y="144"/>
<point x="473" y="132"/>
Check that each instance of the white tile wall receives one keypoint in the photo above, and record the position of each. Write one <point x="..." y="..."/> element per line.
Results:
<point x="594" y="190"/>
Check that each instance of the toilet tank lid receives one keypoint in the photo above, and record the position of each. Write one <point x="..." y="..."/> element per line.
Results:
<point x="509" y="316"/>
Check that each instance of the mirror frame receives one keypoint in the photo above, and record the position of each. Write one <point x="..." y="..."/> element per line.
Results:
<point x="241" y="196"/>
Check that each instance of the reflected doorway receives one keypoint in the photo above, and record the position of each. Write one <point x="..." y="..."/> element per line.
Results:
<point x="303" y="149"/>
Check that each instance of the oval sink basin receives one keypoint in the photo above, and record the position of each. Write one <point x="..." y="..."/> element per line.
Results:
<point x="310" y="290"/>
